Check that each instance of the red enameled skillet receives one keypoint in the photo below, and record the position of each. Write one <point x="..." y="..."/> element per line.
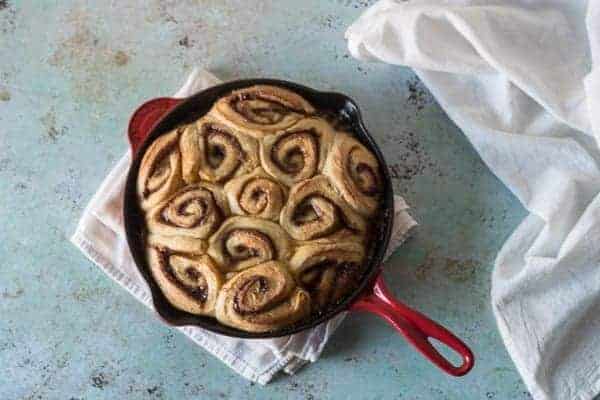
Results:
<point x="160" y="115"/>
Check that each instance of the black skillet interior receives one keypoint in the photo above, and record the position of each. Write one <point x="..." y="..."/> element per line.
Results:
<point x="193" y="108"/>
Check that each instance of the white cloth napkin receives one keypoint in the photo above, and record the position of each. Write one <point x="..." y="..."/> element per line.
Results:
<point x="101" y="237"/>
<point x="522" y="80"/>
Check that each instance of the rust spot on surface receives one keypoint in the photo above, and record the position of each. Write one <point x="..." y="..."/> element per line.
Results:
<point x="460" y="270"/>
<point x="86" y="59"/>
<point x="423" y="270"/>
<point x="121" y="58"/>
<point x="4" y="95"/>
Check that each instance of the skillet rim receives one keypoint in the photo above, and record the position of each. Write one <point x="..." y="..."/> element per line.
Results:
<point x="198" y="104"/>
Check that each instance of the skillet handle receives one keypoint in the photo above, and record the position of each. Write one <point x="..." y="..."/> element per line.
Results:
<point x="415" y="327"/>
<point x="146" y="117"/>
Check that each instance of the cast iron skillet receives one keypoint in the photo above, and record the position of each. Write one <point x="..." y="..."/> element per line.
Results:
<point x="159" y="116"/>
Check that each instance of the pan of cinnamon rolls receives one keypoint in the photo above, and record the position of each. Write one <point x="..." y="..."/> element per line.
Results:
<point x="260" y="208"/>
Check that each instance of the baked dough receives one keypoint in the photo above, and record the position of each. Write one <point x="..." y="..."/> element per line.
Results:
<point x="297" y="153"/>
<point x="261" y="299"/>
<point x="261" y="110"/>
<point x="258" y="213"/>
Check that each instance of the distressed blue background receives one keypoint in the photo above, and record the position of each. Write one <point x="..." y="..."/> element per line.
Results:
<point x="71" y="72"/>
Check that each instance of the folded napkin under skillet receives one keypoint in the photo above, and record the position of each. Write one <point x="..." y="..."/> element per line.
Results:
<point x="101" y="237"/>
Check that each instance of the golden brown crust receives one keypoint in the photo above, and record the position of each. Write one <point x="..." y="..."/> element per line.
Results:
<point x="194" y="211"/>
<point x="297" y="153"/>
<point x="243" y="242"/>
<point x="261" y="299"/>
<point x="355" y="172"/>
<point x="261" y="110"/>
<point x="190" y="283"/>
<point x="160" y="170"/>
<point x="328" y="270"/>
<point x="257" y="213"/>
<point x="214" y="152"/>
<point x="256" y="194"/>
<point x="315" y="210"/>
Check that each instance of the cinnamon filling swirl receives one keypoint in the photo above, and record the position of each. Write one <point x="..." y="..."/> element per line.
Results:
<point x="255" y="194"/>
<point x="315" y="210"/>
<point x="190" y="283"/>
<point x="262" y="298"/>
<point x="243" y="242"/>
<point x="160" y="170"/>
<point x="258" y="213"/>
<point x="297" y="153"/>
<point x="195" y="211"/>
<point x="355" y="172"/>
<point x="214" y="152"/>
<point x="261" y="110"/>
<point x="189" y="279"/>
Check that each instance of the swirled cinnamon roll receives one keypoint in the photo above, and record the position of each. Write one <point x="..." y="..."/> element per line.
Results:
<point x="261" y="110"/>
<point x="194" y="211"/>
<point x="258" y="213"/>
<point x="261" y="299"/>
<point x="214" y="152"/>
<point x="355" y="172"/>
<point x="243" y="242"/>
<point x="160" y="171"/>
<point x="255" y="194"/>
<point x="328" y="270"/>
<point x="190" y="283"/>
<point x="315" y="210"/>
<point x="297" y="153"/>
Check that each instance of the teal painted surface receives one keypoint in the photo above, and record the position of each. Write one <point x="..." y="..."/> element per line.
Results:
<point x="71" y="73"/>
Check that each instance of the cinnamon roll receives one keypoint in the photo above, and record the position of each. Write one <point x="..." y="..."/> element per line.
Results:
<point x="243" y="242"/>
<point x="261" y="110"/>
<point x="160" y="170"/>
<point x="179" y="244"/>
<point x="255" y="194"/>
<point x="328" y="270"/>
<point x="297" y="153"/>
<point x="355" y="172"/>
<point x="261" y="299"/>
<point x="315" y="209"/>
<point x="214" y="152"/>
<point x="194" y="211"/>
<point x="190" y="283"/>
<point x="258" y="212"/>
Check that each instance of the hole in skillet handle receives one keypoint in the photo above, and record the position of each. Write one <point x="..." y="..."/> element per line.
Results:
<point x="193" y="108"/>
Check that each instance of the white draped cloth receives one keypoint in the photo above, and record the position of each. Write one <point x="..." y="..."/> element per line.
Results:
<point x="522" y="81"/>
